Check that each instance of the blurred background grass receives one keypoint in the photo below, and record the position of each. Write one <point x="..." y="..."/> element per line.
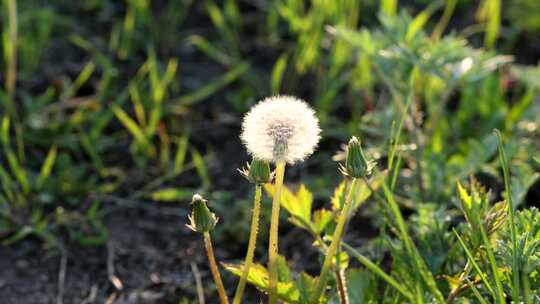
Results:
<point x="114" y="109"/>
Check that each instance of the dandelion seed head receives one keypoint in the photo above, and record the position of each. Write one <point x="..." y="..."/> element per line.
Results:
<point x="281" y="128"/>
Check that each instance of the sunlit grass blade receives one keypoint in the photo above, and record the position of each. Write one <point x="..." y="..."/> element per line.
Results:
<point x="137" y="104"/>
<point x="18" y="171"/>
<point x="213" y="86"/>
<point x="210" y="50"/>
<point x="133" y="128"/>
<point x="201" y="169"/>
<point x="277" y="73"/>
<point x="46" y="168"/>
<point x="445" y="18"/>
<point x="389" y="7"/>
<point x="490" y="13"/>
<point x="515" y="257"/>
<point x="180" y="155"/>
<point x="420" y="20"/>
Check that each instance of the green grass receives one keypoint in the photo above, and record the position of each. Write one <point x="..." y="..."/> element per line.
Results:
<point x="105" y="98"/>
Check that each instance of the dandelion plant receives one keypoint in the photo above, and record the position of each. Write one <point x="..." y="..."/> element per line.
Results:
<point x="280" y="129"/>
<point x="356" y="167"/>
<point x="202" y="220"/>
<point x="258" y="172"/>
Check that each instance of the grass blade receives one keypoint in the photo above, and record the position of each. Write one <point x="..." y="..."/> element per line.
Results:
<point x="213" y="86"/>
<point x="515" y="258"/>
<point x="378" y="271"/>
<point x="133" y="128"/>
<point x="475" y="265"/>
<point x="409" y="245"/>
<point x="180" y="155"/>
<point x="47" y="166"/>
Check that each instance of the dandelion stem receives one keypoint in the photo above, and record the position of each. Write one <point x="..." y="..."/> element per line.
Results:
<point x="251" y="245"/>
<point x="321" y="283"/>
<point x="273" y="240"/>
<point x="214" y="269"/>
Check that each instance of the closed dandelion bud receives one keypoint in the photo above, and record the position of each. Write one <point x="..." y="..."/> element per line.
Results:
<point x="258" y="172"/>
<point x="281" y="128"/>
<point x="201" y="219"/>
<point x="356" y="164"/>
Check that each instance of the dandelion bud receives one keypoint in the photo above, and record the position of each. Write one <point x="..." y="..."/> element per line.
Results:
<point x="201" y="219"/>
<point x="356" y="164"/>
<point x="281" y="128"/>
<point x="258" y="172"/>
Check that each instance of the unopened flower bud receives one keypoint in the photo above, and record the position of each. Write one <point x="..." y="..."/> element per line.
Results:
<point x="356" y="164"/>
<point x="257" y="172"/>
<point x="201" y="219"/>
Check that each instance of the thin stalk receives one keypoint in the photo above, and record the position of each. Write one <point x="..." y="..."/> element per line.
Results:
<point x="526" y="288"/>
<point x="494" y="269"/>
<point x="327" y="264"/>
<point x="378" y="271"/>
<point x="10" y="52"/>
<point x="214" y="269"/>
<point x="10" y="57"/>
<point x="515" y="257"/>
<point x="251" y="245"/>
<point x="273" y="239"/>
<point x="341" y="283"/>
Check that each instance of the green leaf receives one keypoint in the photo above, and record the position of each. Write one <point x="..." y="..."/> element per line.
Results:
<point x="258" y="276"/>
<point x="321" y="219"/>
<point x="360" y="196"/>
<point x="465" y="198"/>
<point x="306" y="285"/>
<point x="359" y="282"/>
<point x="297" y="204"/>
<point x="338" y="199"/>
<point x="284" y="272"/>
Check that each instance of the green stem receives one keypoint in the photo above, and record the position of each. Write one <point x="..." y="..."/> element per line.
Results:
<point x="214" y="269"/>
<point x="251" y="245"/>
<point x="327" y="265"/>
<point x="378" y="271"/>
<point x="273" y="239"/>
<point x="515" y="257"/>
<point x="494" y="269"/>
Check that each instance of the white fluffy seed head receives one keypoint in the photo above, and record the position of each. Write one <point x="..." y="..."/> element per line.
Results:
<point x="281" y="128"/>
